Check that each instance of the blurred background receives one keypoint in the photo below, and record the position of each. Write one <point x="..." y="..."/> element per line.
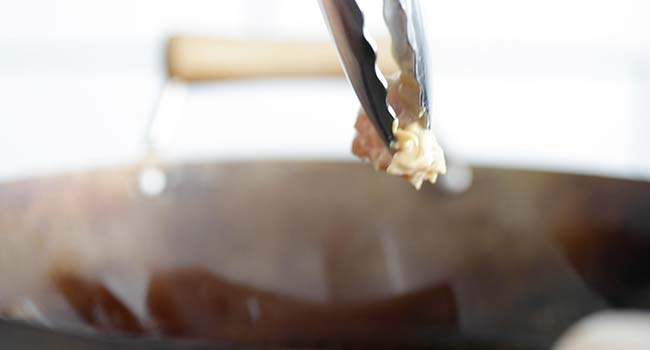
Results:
<point x="548" y="84"/>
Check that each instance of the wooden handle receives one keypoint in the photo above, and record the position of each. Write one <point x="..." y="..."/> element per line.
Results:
<point x="205" y="58"/>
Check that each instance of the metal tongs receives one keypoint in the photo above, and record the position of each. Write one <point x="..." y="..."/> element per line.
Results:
<point x="358" y="55"/>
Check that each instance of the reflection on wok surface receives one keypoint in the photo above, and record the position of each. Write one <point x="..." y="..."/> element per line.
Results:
<point x="317" y="254"/>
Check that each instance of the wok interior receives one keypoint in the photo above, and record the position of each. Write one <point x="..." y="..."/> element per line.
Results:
<point x="306" y="252"/>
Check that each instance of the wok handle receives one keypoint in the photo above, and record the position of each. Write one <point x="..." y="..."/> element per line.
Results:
<point x="194" y="58"/>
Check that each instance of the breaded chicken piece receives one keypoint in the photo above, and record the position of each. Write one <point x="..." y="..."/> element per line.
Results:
<point x="418" y="157"/>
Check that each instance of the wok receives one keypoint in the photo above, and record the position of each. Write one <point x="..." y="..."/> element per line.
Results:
<point x="315" y="255"/>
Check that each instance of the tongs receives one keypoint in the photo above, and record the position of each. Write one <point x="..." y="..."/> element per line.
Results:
<point x="357" y="52"/>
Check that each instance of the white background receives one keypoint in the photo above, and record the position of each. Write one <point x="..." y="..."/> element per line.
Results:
<point x="542" y="83"/>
